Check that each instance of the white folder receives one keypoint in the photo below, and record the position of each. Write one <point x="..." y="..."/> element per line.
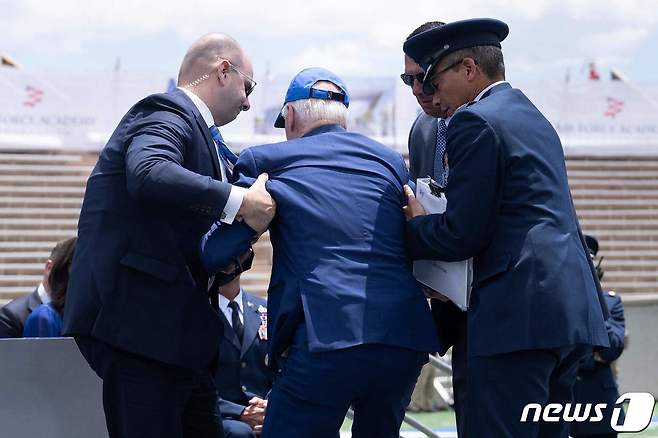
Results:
<point x="452" y="279"/>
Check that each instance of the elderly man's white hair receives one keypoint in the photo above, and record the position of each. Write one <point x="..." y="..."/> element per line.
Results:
<point x="310" y="111"/>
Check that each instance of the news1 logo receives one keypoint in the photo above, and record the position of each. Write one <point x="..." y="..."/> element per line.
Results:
<point x="638" y="413"/>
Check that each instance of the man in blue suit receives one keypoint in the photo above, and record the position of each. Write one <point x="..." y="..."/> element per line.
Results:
<point x="348" y="323"/>
<point x="243" y="378"/>
<point x="138" y="299"/>
<point x="596" y="381"/>
<point x="536" y="305"/>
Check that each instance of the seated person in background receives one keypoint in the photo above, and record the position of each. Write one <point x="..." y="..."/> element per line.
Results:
<point x="596" y="381"/>
<point x="14" y="314"/>
<point x="46" y="320"/>
<point x="242" y="378"/>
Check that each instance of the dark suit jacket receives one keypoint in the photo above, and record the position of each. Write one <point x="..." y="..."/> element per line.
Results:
<point x="136" y="282"/>
<point x="242" y="372"/>
<point x="338" y="237"/>
<point x="596" y="382"/>
<point x="14" y="314"/>
<point x="422" y="146"/>
<point x="509" y="207"/>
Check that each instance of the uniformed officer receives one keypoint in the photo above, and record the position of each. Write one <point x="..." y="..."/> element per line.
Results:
<point x="596" y="381"/>
<point x="243" y="378"/>
<point x="536" y="306"/>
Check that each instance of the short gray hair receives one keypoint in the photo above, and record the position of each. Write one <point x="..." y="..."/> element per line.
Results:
<point x="489" y="58"/>
<point x="313" y="110"/>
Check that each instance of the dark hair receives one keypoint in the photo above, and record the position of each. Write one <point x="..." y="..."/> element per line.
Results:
<point x="58" y="279"/>
<point x="489" y="58"/>
<point x="426" y="26"/>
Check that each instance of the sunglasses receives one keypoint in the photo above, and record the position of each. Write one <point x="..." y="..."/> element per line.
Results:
<point x="409" y="79"/>
<point x="249" y="85"/>
<point x="428" y="87"/>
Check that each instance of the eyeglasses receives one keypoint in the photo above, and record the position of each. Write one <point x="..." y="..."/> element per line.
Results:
<point x="409" y="79"/>
<point x="249" y="85"/>
<point x="428" y="87"/>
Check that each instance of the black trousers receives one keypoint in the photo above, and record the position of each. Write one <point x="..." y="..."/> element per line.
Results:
<point x="144" y="398"/>
<point x="500" y="386"/>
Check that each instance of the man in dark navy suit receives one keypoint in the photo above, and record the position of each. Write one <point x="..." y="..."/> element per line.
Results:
<point x="596" y="381"/>
<point x="138" y="299"/>
<point x="243" y="378"/>
<point x="536" y="306"/>
<point x="427" y="143"/>
<point x="348" y="324"/>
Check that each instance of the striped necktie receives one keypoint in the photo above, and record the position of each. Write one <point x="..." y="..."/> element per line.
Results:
<point x="439" y="173"/>
<point x="225" y="154"/>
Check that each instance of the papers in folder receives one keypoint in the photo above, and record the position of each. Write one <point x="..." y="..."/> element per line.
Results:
<point x="452" y="279"/>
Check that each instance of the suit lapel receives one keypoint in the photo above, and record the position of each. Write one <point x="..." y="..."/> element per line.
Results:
<point x="34" y="301"/>
<point x="229" y="334"/>
<point x="431" y="152"/>
<point x="210" y="144"/>
<point x="251" y="324"/>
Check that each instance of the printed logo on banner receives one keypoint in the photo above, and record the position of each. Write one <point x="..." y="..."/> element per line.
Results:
<point x="615" y="106"/>
<point x="33" y="96"/>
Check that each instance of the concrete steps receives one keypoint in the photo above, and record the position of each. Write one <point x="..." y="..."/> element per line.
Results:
<point x="41" y="194"/>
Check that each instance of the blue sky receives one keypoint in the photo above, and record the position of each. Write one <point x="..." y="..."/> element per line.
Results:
<point x="355" y="38"/>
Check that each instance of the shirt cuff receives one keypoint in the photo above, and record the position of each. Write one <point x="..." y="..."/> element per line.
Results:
<point x="233" y="204"/>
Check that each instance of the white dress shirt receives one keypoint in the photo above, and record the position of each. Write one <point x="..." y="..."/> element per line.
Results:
<point x="237" y="193"/>
<point x="227" y="311"/>
<point x="41" y="290"/>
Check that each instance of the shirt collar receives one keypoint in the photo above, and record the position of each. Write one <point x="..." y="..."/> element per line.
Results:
<point x="43" y="295"/>
<point x="201" y="106"/>
<point x="223" y="302"/>
<point x="477" y="98"/>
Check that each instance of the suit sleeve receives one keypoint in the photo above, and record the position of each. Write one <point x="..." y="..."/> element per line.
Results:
<point x="474" y="191"/>
<point x="9" y="326"/>
<point x="616" y="327"/>
<point x="155" y="169"/>
<point x="223" y="243"/>
<point x="228" y="409"/>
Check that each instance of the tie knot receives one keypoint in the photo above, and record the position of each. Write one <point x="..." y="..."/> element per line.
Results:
<point x="443" y="127"/>
<point x="234" y="306"/>
<point x="216" y="135"/>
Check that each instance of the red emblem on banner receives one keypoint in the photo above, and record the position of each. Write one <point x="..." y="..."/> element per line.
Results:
<point x="34" y="96"/>
<point x="614" y="107"/>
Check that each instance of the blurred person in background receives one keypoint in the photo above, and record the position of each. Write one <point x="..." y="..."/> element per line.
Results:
<point x="596" y="382"/>
<point x="14" y="314"/>
<point x="46" y="320"/>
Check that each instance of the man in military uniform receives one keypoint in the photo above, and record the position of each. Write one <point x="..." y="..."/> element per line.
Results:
<point x="596" y="381"/>
<point x="536" y="307"/>
<point x="243" y="378"/>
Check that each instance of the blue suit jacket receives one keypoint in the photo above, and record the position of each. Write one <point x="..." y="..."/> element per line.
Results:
<point x="596" y="382"/>
<point x="338" y="237"/>
<point x="242" y="372"/>
<point x="509" y="207"/>
<point x="136" y="281"/>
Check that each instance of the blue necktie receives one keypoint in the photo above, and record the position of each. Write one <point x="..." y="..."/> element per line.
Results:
<point x="439" y="173"/>
<point x="223" y="151"/>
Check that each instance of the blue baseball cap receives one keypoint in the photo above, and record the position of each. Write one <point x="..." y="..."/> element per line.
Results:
<point x="301" y="87"/>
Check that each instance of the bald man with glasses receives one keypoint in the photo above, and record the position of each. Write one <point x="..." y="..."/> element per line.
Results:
<point x="139" y="301"/>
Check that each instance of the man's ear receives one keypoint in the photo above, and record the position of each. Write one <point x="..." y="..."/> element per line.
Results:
<point x="471" y="68"/>
<point x="291" y="118"/>
<point x="223" y="69"/>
